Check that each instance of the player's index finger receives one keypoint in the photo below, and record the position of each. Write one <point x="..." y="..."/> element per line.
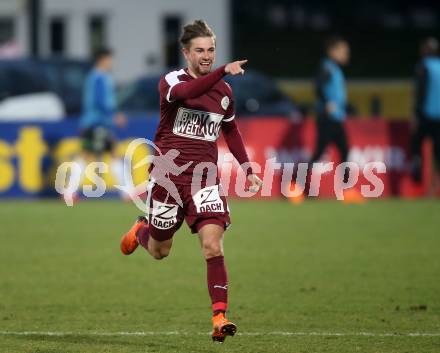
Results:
<point x="242" y="62"/>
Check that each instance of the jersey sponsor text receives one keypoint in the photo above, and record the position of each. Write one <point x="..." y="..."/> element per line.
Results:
<point x="197" y="124"/>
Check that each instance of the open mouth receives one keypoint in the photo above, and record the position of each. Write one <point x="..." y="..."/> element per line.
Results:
<point x="205" y="64"/>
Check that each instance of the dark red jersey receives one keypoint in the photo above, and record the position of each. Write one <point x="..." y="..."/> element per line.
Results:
<point x="193" y="112"/>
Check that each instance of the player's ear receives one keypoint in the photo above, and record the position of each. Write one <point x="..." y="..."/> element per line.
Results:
<point x="185" y="52"/>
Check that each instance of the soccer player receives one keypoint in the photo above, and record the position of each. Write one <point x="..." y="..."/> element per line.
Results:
<point x="195" y="106"/>
<point x="98" y="119"/>
<point x="427" y="122"/>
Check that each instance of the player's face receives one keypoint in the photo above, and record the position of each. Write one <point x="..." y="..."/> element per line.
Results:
<point x="200" y="55"/>
<point x="106" y="63"/>
<point x="342" y="53"/>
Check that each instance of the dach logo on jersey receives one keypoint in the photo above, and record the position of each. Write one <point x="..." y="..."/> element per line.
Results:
<point x="197" y="124"/>
<point x="208" y="200"/>
<point x="164" y="215"/>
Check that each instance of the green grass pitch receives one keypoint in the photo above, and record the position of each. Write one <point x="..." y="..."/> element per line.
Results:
<point x="319" y="277"/>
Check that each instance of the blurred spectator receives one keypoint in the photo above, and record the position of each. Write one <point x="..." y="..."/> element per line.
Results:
<point x="427" y="108"/>
<point x="332" y="99"/>
<point x="331" y="92"/>
<point x="98" y="119"/>
<point x="331" y="108"/>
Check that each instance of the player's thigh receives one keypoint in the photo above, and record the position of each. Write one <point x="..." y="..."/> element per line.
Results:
<point x="164" y="215"/>
<point x="339" y="138"/>
<point x="207" y="214"/>
<point x="323" y="136"/>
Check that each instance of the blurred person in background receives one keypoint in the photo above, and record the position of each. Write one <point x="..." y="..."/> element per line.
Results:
<point x="427" y="110"/>
<point x="332" y="98"/>
<point x="331" y="108"/>
<point x="98" y="120"/>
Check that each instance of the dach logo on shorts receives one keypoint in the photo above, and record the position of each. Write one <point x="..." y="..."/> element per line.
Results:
<point x="197" y="124"/>
<point x="164" y="216"/>
<point x="208" y="200"/>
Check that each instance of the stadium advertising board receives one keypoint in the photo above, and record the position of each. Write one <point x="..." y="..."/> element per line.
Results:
<point x="31" y="153"/>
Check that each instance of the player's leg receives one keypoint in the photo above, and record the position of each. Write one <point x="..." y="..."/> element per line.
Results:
<point x="339" y="138"/>
<point x="211" y="240"/>
<point x="155" y="232"/>
<point x="157" y="242"/>
<point x="416" y="149"/>
<point x="117" y="166"/>
<point x="207" y="214"/>
<point x="435" y="135"/>
<point x="323" y="136"/>
<point x="86" y="156"/>
<point x="158" y="247"/>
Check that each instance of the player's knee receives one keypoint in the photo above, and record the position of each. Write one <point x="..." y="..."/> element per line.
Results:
<point x="164" y="252"/>
<point x="160" y="254"/>
<point x="157" y="255"/>
<point x="212" y="249"/>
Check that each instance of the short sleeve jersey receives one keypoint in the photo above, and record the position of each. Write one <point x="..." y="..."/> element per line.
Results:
<point x="192" y="126"/>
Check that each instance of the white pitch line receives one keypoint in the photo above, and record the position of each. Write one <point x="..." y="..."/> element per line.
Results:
<point x="183" y="333"/>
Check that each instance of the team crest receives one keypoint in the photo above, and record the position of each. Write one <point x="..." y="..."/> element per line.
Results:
<point x="225" y="102"/>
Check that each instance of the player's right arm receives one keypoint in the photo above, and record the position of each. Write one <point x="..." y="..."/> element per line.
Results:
<point x="235" y="144"/>
<point x="180" y="90"/>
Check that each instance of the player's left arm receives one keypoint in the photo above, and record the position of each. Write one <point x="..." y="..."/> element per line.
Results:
<point x="235" y="144"/>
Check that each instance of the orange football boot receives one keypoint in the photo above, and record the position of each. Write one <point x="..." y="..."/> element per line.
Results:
<point x="222" y="327"/>
<point x="129" y="241"/>
<point x="353" y="196"/>
<point x="218" y="337"/>
<point x="296" y="200"/>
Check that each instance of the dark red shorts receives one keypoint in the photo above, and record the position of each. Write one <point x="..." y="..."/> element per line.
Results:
<point x="196" y="207"/>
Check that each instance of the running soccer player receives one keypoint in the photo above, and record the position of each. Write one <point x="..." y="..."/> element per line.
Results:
<point x="195" y="105"/>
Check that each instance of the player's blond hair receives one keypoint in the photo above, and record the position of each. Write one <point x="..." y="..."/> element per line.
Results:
<point x="199" y="28"/>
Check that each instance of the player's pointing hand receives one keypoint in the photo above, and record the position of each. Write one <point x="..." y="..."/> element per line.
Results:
<point x="235" y="68"/>
<point x="256" y="183"/>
